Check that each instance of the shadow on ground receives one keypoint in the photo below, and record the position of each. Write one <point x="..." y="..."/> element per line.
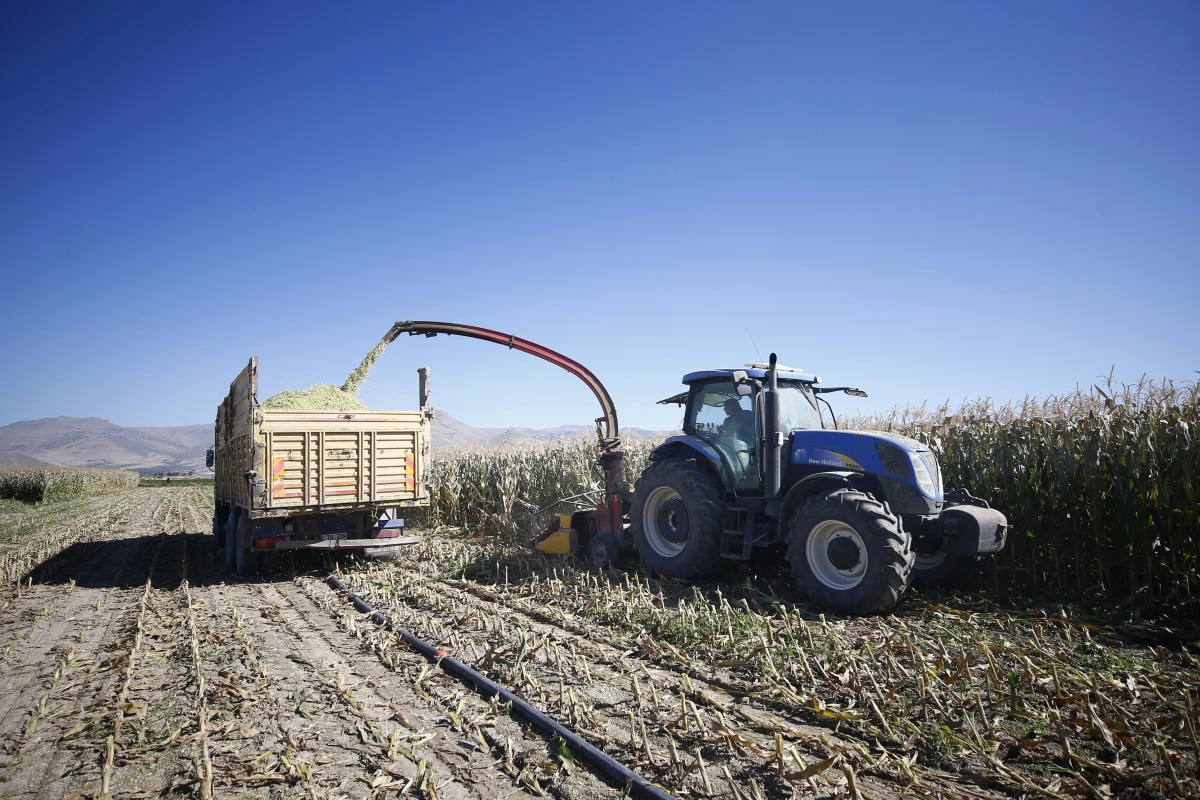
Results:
<point x="126" y="564"/>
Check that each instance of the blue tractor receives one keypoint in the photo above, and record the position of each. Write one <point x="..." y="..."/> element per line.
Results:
<point x="859" y="515"/>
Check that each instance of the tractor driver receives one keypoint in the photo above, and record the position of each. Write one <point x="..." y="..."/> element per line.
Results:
<point x="739" y="422"/>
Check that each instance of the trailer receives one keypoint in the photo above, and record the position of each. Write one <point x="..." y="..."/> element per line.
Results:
<point x="288" y="480"/>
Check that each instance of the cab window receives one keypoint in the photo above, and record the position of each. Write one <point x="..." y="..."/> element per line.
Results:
<point x="797" y="409"/>
<point x="726" y="420"/>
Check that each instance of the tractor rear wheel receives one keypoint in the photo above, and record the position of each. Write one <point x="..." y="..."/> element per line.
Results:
<point x="677" y="519"/>
<point x="850" y="552"/>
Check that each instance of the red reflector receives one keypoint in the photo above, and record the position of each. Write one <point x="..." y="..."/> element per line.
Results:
<point x="387" y="533"/>
<point x="269" y="541"/>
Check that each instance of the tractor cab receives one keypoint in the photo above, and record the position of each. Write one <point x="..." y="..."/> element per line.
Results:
<point x="724" y="409"/>
<point x="860" y="513"/>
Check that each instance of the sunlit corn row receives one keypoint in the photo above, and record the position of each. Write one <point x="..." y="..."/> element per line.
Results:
<point x="1100" y="486"/>
<point x="500" y="489"/>
<point x="51" y="484"/>
<point x="1021" y="698"/>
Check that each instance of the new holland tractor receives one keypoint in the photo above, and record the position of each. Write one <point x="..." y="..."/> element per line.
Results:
<point x="859" y="515"/>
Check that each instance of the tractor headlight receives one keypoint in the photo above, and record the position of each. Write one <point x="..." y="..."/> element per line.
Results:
<point x="923" y="476"/>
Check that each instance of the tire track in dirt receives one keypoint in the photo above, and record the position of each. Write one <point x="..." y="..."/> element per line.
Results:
<point x="301" y="707"/>
<point x="60" y="689"/>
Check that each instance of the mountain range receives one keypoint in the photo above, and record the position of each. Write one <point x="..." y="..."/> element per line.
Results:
<point x="95" y="442"/>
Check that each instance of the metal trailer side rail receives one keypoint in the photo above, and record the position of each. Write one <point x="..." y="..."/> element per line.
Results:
<point x="604" y="763"/>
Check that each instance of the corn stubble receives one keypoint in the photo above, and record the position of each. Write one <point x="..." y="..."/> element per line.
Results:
<point x="742" y="690"/>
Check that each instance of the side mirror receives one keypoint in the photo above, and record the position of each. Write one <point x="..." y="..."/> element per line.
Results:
<point x="742" y="383"/>
<point x="744" y="390"/>
<point x="856" y="393"/>
<point x="210" y="457"/>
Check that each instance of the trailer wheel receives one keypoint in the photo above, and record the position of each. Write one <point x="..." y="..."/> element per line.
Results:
<point x="219" y="519"/>
<point x="603" y="550"/>
<point x="677" y="518"/>
<point x="246" y="561"/>
<point x="850" y="552"/>
<point x="231" y="526"/>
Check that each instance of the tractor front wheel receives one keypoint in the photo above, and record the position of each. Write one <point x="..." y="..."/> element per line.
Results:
<point x="850" y="552"/>
<point x="677" y="520"/>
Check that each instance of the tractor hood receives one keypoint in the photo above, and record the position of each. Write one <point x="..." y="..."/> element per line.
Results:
<point x="871" y="452"/>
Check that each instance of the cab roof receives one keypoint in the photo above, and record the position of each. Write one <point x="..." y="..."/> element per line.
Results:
<point x="760" y="374"/>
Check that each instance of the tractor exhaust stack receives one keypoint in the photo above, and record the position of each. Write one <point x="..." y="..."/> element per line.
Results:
<point x="773" y="435"/>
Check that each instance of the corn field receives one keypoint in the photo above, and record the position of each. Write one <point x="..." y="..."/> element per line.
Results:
<point x="501" y="489"/>
<point x="52" y="484"/>
<point x="1099" y="486"/>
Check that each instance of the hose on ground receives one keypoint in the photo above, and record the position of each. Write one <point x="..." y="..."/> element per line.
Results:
<point x="605" y="764"/>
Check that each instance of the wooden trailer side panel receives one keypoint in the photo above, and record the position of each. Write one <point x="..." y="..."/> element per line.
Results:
<point x="234" y="438"/>
<point x="329" y="458"/>
<point x="276" y="461"/>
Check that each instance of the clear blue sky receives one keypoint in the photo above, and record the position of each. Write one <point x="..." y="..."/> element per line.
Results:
<point x="930" y="200"/>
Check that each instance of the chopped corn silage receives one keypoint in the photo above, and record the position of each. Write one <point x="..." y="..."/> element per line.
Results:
<point x="359" y="374"/>
<point x="324" y="396"/>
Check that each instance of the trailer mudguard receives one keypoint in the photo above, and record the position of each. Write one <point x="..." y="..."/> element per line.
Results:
<point x="685" y="446"/>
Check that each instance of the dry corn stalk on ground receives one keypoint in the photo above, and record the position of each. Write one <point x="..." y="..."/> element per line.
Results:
<point x="133" y="664"/>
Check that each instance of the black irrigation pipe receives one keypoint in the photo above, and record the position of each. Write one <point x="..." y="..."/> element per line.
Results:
<point x="604" y="763"/>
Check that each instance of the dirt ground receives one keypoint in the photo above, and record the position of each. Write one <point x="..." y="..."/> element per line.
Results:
<point x="136" y="666"/>
<point x="133" y="664"/>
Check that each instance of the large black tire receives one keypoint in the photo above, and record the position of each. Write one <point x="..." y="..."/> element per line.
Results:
<point x="231" y="526"/>
<point x="246" y="561"/>
<point x="678" y="516"/>
<point x="850" y="552"/>
<point x="219" y="520"/>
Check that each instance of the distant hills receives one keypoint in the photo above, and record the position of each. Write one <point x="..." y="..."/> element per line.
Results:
<point x="95" y="442"/>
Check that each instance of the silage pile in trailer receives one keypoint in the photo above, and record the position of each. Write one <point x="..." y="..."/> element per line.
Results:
<point x="51" y="484"/>
<point x="326" y="397"/>
<point x="323" y="396"/>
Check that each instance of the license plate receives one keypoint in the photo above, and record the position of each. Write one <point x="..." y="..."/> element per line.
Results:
<point x="328" y="537"/>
